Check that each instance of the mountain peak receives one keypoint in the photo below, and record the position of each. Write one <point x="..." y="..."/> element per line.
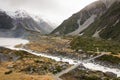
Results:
<point x="21" y="13"/>
<point x="20" y="23"/>
<point x="2" y="10"/>
<point x="17" y="14"/>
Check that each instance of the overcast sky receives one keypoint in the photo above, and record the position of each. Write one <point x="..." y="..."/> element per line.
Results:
<point x="53" y="10"/>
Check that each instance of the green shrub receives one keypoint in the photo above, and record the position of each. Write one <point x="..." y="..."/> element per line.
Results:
<point x="91" y="44"/>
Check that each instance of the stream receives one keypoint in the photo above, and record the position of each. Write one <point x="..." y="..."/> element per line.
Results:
<point x="11" y="42"/>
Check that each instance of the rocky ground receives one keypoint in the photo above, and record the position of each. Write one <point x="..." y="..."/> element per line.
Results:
<point x="23" y="65"/>
<point x="22" y="76"/>
<point x="81" y="73"/>
<point x="59" y="46"/>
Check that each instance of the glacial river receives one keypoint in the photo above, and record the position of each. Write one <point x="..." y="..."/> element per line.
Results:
<point x="11" y="42"/>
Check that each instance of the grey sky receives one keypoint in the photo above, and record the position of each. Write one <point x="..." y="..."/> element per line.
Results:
<point x="53" y="10"/>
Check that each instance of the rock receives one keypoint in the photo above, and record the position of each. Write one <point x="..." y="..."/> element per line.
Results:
<point x="39" y="61"/>
<point x="9" y="66"/>
<point x="81" y="67"/>
<point x="8" y="72"/>
<point x="63" y="66"/>
<point x="81" y="51"/>
<point x="110" y="74"/>
<point x="52" y="68"/>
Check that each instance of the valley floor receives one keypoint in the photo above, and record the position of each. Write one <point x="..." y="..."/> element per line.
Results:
<point x="21" y="65"/>
<point x="31" y="67"/>
<point x="60" y="46"/>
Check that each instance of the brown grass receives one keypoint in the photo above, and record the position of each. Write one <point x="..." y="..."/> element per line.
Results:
<point x="53" y="43"/>
<point x="22" y="76"/>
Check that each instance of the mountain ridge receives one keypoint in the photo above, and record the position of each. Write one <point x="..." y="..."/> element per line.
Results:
<point x="85" y="27"/>
<point x="19" y="23"/>
<point x="83" y="14"/>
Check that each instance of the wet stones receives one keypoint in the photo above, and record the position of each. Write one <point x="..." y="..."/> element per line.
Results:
<point x="110" y="74"/>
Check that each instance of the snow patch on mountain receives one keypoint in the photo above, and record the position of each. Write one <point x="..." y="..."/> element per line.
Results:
<point x="84" y="26"/>
<point x="11" y="14"/>
<point x="21" y="14"/>
<point x="36" y="18"/>
<point x="18" y="14"/>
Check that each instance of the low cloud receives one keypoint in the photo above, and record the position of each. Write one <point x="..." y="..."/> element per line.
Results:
<point x="55" y="10"/>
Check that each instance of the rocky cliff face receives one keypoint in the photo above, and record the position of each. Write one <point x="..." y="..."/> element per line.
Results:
<point x="89" y="21"/>
<point x="20" y="23"/>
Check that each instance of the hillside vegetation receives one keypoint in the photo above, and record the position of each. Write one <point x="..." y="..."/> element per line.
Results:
<point x="91" y="44"/>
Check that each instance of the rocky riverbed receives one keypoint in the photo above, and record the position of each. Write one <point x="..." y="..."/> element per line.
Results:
<point x="64" y="54"/>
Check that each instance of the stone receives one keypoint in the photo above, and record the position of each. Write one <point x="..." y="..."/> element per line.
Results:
<point x="9" y="66"/>
<point x="8" y="72"/>
<point x="110" y="74"/>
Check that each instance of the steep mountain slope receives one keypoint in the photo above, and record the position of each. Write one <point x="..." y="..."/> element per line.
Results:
<point x="5" y="20"/>
<point x="108" y="25"/>
<point x="45" y="25"/>
<point x="20" y="23"/>
<point x="72" y="24"/>
<point x="94" y="20"/>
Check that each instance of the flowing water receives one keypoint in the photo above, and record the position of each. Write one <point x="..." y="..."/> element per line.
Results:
<point x="11" y="42"/>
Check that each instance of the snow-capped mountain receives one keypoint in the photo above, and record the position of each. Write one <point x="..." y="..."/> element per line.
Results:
<point x="48" y="26"/>
<point x="20" y="23"/>
<point x="100" y="19"/>
<point x="18" y="14"/>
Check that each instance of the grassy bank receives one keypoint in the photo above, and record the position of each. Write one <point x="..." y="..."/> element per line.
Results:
<point x="92" y="44"/>
<point x="23" y="63"/>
